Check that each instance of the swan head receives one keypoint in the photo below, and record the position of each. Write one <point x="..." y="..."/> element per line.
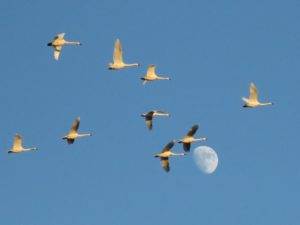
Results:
<point x="204" y="138"/>
<point x="49" y="44"/>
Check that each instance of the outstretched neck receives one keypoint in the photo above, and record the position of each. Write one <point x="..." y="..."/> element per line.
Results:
<point x="72" y="43"/>
<point x="30" y="149"/>
<point x="246" y="100"/>
<point x="132" y="64"/>
<point x="267" y="103"/>
<point x="201" y="139"/>
<point x="163" y="78"/>
<point x="162" y="114"/>
<point x="84" y="135"/>
<point x="178" y="154"/>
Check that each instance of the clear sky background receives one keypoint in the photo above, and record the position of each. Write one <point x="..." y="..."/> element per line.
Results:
<point x="212" y="50"/>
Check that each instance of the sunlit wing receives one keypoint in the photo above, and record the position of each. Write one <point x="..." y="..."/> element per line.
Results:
<point x="151" y="71"/>
<point x="57" y="50"/>
<point x="59" y="36"/>
<point x="253" y="92"/>
<point x="187" y="147"/>
<point x="149" y="122"/>
<point x="118" y="58"/>
<point x="17" y="142"/>
<point x="165" y="163"/>
<point x="75" y="125"/>
<point x="193" y="130"/>
<point x="168" y="146"/>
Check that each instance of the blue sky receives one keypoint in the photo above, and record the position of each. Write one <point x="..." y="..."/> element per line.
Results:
<point x="212" y="50"/>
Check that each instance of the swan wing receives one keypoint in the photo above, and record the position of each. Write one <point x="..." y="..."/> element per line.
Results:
<point x="59" y="36"/>
<point x="118" y="58"/>
<point x="17" y="142"/>
<point x="151" y="71"/>
<point x="186" y="147"/>
<point x="75" y="125"/>
<point x="70" y="141"/>
<point x="57" y="50"/>
<point x="193" y="130"/>
<point x="168" y="146"/>
<point x="149" y="122"/>
<point x="165" y="163"/>
<point x="150" y="113"/>
<point x="253" y="92"/>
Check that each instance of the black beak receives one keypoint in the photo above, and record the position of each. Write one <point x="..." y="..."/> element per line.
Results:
<point x="49" y="44"/>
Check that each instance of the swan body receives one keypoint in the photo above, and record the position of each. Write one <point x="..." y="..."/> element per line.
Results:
<point x="165" y="154"/>
<point x="58" y="42"/>
<point x="73" y="134"/>
<point x="17" y="145"/>
<point x="118" y="62"/>
<point x="149" y="117"/>
<point x="151" y="75"/>
<point x="189" y="138"/>
<point x="252" y="101"/>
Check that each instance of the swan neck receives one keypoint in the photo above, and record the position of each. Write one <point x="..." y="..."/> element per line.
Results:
<point x="84" y="135"/>
<point x="164" y="78"/>
<point x="29" y="149"/>
<point x="132" y="64"/>
<point x="178" y="154"/>
<point x="267" y="103"/>
<point x="201" y="139"/>
<point x="72" y="43"/>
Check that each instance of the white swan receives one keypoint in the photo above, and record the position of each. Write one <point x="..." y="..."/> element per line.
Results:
<point x="118" y="58"/>
<point x="149" y="116"/>
<point x="165" y="154"/>
<point x="17" y="145"/>
<point x="188" y="139"/>
<point x="151" y="75"/>
<point x="73" y="134"/>
<point x="58" y="42"/>
<point x="252" y="101"/>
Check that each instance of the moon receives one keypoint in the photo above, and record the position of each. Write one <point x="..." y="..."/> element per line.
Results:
<point x="206" y="159"/>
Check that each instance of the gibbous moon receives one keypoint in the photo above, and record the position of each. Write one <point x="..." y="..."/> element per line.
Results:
<point x="206" y="159"/>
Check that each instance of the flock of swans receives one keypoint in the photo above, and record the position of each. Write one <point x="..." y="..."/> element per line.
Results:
<point x="58" y="42"/>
